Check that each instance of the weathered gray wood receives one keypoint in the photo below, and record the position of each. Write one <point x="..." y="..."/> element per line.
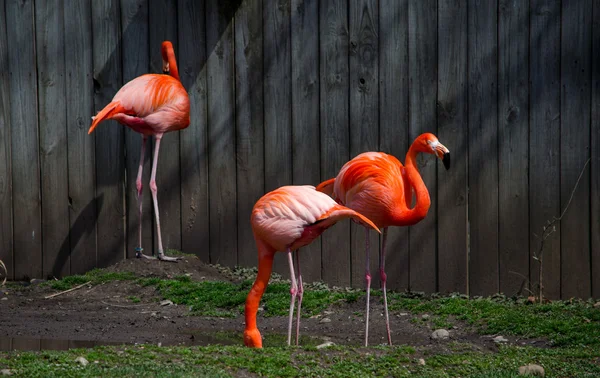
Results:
<point x="364" y="117"/>
<point x="305" y="117"/>
<point x="221" y="133"/>
<point x="595" y="143"/>
<point x="49" y="41"/>
<point x="393" y="119"/>
<point x="334" y="114"/>
<point x="163" y="18"/>
<point x="513" y="142"/>
<point x="24" y="136"/>
<point x="135" y="44"/>
<point x="452" y="132"/>
<point x="249" y="122"/>
<point x="575" y="147"/>
<point x="81" y="154"/>
<point x="193" y="140"/>
<point x="483" y="147"/>
<point x="6" y="210"/>
<point x="422" y="35"/>
<point x="110" y="170"/>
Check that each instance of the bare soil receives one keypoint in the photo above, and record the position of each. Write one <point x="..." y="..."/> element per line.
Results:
<point x="105" y="313"/>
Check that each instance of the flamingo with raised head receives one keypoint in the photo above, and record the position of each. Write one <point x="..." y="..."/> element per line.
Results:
<point x="285" y="220"/>
<point x="151" y="104"/>
<point x="379" y="187"/>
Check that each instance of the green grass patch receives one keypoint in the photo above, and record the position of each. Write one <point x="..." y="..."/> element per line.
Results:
<point x="95" y="276"/>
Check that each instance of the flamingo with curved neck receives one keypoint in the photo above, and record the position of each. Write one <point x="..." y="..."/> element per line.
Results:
<point x="379" y="187"/>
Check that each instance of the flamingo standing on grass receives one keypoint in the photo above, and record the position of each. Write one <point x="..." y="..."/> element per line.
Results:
<point x="379" y="187"/>
<point x="151" y="104"/>
<point x="285" y="220"/>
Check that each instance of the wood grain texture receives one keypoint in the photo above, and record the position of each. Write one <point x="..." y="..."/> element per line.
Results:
<point x="249" y="123"/>
<point x="193" y="141"/>
<point x="513" y="142"/>
<point x="422" y="66"/>
<point x="452" y="132"/>
<point x="110" y="169"/>
<point x="483" y="147"/>
<point x="544" y="142"/>
<point x="163" y="18"/>
<point x="136" y="62"/>
<point x="6" y="210"/>
<point x="393" y="119"/>
<point x="81" y="153"/>
<point x="52" y="114"/>
<point x="575" y="147"/>
<point x="334" y="115"/>
<point x="595" y="143"/>
<point x="364" y="118"/>
<point x="27" y="230"/>
<point x="306" y="153"/>
<point x="221" y="133"/>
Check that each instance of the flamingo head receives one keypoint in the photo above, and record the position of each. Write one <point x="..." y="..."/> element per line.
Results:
<point x="430" y="144"/>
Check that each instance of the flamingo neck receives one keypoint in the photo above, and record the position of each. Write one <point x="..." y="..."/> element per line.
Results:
<point x="169" y="56"/>
<point x="414" y="181"/>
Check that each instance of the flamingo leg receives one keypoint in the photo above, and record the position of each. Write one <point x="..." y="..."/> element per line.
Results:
<point x="300" y="292"/>
<point x="138" y="184"/>
<point x="154" y="189"/>
<point x="294" y="293"/>
<point x="368" y="279"/>
<point x="383" y="281"/>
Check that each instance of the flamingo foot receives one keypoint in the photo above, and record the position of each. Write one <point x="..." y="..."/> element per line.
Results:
<point x="140" y="255"/>
<point x="163" y="257"/>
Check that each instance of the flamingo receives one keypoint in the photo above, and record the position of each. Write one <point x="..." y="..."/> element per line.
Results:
<point x="151" y="104"/>
<point x="285" y="220"/>
<point x="378" y="186"/>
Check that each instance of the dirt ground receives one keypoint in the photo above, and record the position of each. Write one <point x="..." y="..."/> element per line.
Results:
<point x="105" y="314"/>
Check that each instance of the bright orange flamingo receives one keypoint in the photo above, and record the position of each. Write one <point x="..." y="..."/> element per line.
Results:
<point x="151" y="104"/>
<point x="379" y="187"/>
<point x="285" y="220"/>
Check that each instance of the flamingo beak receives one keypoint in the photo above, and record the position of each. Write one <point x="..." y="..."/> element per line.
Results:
<point x="165" y="67"/>
<point x="443" y="154"/>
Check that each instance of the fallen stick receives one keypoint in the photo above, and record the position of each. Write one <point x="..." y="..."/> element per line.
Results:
<point x="66" y="291"/>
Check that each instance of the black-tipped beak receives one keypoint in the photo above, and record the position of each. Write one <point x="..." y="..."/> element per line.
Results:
<point x="446" y="160"/>
<point x="166" y="72"/>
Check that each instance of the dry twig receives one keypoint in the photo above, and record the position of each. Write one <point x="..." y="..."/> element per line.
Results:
<point x="67" y="291"/>
<point x="5" y="272"/>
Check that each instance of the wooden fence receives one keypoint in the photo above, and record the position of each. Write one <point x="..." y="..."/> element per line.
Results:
<point x="285" y="92"/>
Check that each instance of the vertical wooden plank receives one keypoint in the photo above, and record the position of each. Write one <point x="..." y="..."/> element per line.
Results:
<point x="595" y="163"/>
<point x="452" y="132"/>
<point x="513" y="142"/>
<point x="163" y="18"/>
<point x="106" y="34"/>
<point x="422" y="57"/>
<point x="483" y="147"/>
<point x="134" y="24"/>
<point x="81" y="155"/>
<point x="305" y="120"/>
<point x="53" y="139"/>
<point x="575" y="147"/>
<point x="364" y="117"/>
<point x="6" y="232"/>
<point x="24" y="135"/>
<point x="249" y="122"/>
<point x="221" y="132"/>
<point x="393" y="118"/>
<point x="544" y="142"/>
<point x="193" y="143"/>
<point x="334" y="114"/>
<point x="5" y="342"/>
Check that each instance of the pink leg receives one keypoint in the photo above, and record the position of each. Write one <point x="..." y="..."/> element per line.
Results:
<point x="293" y="292"/>
<point x="138" y="184"/>
<point x="383" y="280"/>
<point x="368" y="278"/>
<point x="300" y="292"/>
<point x="154" y="189"/>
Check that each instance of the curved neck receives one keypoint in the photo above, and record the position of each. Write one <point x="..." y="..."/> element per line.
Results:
<point x="169" y="56"/>
<point x="415" y="182"/>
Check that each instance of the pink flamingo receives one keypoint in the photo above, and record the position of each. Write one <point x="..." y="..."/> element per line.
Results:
<point x="151" y="104"/>
<point x="285" y="220"/>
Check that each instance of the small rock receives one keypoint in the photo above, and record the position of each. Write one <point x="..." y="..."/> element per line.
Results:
<point x="4" y="299"/>
<point x="36" y="281"/>
<point x="5" y="372"/>
<point x="404" y="314"/>
<point x="421" y="362"/>
<point x="440" y="334"/>
<point x="425" y="316"/>
<point x="325" y="345"/>
<point x="325" y="320"/>
<point x="82" y="361"/>
<point x="597" y="304"/>
<point x="166" y="302"/>
<point x="327" y="312"/>
<point x="532" y="369"/>
<point x="499" y="339"/>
